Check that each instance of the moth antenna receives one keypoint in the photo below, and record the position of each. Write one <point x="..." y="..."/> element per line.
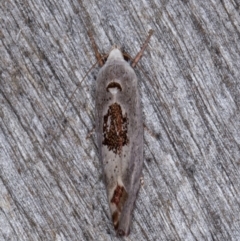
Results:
<point x="140" y="53"/>
<point x="79" y="84"/>
<point x="100" y="60"/>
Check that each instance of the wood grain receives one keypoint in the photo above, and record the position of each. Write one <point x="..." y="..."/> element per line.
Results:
<point x="51" y="185"/>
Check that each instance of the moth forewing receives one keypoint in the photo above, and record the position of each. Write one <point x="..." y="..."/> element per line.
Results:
<point x="119" y="129"/>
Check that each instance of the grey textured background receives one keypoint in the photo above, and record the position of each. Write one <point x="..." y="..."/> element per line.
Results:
<point x="51" y="184"/>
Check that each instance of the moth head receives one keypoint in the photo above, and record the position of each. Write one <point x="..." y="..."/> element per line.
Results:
<point x="115" y="53"/>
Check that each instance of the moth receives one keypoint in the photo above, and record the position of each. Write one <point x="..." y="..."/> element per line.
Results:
<point x="119" y="130"/>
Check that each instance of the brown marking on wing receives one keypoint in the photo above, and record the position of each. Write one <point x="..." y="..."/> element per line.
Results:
<point x="115" y="129"/>
<point x="115" y="219"/>
<point x="114" y="85"/>
<point x="119" y="198"/>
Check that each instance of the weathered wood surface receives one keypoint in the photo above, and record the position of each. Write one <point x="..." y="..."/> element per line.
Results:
<point x="190" y="97"/>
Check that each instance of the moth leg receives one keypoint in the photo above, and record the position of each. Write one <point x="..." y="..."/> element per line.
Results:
<point x="90" y="133"/>
<point x="150" y="132"/>
<point x="140" y="53"/>
<point x="142" y="181"/>
<point x="99" y="57"/>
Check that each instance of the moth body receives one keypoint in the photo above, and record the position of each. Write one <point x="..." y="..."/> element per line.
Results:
<point x="119" y="129"/>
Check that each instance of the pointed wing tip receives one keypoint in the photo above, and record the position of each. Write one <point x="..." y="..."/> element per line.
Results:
<point x="121" y="233"/>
